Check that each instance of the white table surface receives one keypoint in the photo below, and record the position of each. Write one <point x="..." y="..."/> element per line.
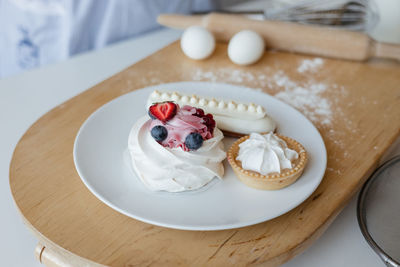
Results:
<point x="25" y="98"/>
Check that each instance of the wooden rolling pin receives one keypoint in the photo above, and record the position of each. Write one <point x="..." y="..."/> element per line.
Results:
<point x="321" y="41"/>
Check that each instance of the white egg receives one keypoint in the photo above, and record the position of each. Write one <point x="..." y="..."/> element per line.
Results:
<point x="246" y="47"/>
<point x="197" y="42"/>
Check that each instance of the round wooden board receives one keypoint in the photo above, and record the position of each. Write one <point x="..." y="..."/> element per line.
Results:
<point x="65" y="216"/>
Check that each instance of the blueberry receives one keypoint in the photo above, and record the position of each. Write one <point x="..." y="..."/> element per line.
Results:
<point x="159" y="133"/>
<point x="151" y="115"/>
<point x="194" y="141"/>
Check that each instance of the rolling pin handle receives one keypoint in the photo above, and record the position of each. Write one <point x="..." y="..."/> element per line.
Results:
<point x="179" y="21"/>
<point x="385" y="50"/>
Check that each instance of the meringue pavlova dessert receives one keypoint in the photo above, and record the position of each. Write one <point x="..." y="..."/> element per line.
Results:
<point x="268" y="162"/>
<point x="176" y="149"/>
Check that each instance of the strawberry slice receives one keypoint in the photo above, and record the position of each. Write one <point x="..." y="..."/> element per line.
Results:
<point x="163" y="111"/>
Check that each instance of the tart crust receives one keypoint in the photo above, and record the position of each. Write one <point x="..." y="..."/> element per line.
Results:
<point x="271" y="181"/>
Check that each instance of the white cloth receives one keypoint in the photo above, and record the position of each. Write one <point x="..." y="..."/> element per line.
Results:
<point x="38" y="32"/>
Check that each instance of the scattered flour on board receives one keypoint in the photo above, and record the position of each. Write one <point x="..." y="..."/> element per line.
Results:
<point x="224" y="75"/>
<point x="310" y="65"/>
<point x="305" y="97"/>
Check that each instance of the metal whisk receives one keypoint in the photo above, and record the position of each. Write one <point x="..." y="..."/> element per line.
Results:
<point x="360" y="15"/>
<point x="357" y="15"/>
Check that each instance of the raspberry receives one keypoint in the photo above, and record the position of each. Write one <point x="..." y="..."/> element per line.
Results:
<point x="199" y="113"/>
<point x="209" y="122"/>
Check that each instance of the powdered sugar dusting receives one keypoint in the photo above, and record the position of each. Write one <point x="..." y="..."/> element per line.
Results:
<point x="223" y="75"/>
<point x="306" y="97"/>
<point x="310" y="65"/>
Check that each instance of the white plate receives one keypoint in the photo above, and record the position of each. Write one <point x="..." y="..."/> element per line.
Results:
<point x="99" y="153"/>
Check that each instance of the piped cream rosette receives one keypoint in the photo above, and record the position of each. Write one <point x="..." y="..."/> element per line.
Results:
<point x="234" y="118"/>
<point x="267" y="162"/>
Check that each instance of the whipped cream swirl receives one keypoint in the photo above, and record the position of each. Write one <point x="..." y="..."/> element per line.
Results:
<point x="265" y="154"/>
<point x="172" y="169"/>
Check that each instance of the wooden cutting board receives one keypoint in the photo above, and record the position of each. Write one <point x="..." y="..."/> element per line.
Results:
<point x="354" y="105"/>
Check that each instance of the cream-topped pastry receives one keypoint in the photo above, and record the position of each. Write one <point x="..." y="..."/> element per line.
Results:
<point x="265" y="154"/>
<point x="232" y="117"/>
<point x="177" y="152"/>
<point x="268" y="162"/>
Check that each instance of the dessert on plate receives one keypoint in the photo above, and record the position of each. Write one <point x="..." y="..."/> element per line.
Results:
<point x="270" y="161"/>
<point x="233" y="118"/>
<point x="176" y="148"/>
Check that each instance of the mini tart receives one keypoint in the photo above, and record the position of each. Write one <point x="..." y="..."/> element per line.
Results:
<point x="271" y="181"/>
